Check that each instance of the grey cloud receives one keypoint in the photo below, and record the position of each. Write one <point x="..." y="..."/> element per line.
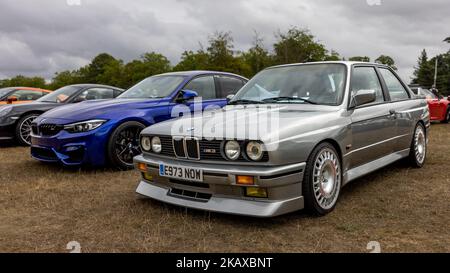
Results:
<point x="46" y="36"/>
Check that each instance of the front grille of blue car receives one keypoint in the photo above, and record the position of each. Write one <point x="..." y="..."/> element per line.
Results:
<point x="46" y="129"/>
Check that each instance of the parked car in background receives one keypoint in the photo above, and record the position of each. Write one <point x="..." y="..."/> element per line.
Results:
<point x="439" y="106"/>
<point x="16" y="119"/>
<point x="337" y="122"/>
<point x="101" y="132"/>
<point x="18" y="95"/>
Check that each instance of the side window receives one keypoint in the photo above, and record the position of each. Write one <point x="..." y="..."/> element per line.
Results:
<point x="365" y="78"/>
<point x="229" y="85"/>
<point x="204" y="86"/>
<point x="394" y="86"/>
<point x="96" y="94"/>
<point x="26" y="95"/>
<point x="44" y="93"/>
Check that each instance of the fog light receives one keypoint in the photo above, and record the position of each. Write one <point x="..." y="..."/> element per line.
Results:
<point x="72" y="148"/>
<point x="256" y="192"/>
<point x="245" y="180"/>
<point x="142" y="167"/>
<point x="147" y="176"/>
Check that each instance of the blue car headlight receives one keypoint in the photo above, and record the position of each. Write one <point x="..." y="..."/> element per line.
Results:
<point x="84" y="126"/>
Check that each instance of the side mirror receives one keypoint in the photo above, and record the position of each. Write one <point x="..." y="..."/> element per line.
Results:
<point x="448" y="98"/>
<point x="78" y="99"/>
<point x="10" y="100"/>
<point x="188" y="94"/>
<point x="363" y="97"/>
<point x="230" y="97"/>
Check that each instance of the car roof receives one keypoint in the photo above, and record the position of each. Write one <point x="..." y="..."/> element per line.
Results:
<point x="92" y="85"/>
<point x="27" y="88"/>
<point x="193" y="73"/>
<point x="346" y="63"/>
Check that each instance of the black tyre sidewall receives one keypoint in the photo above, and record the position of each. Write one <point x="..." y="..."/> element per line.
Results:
<point x="311" y="204"/>
<point x="111" y="153"/>
<point x="17" y="130"/>
<point x="446" y="119"/>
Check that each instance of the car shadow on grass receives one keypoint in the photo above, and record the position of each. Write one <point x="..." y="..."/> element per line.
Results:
<point x="59" y="167"/>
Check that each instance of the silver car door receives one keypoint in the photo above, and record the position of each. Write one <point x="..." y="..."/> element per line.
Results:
<point x="402" y="107"/>
<point x="373" y="126"/>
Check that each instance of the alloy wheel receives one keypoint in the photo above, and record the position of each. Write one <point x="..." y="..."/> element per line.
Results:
<point x="420" y="144"/>
<point x="127" y="144"/>
<point x="25" y="129"/>
<point x="326" y="178"/>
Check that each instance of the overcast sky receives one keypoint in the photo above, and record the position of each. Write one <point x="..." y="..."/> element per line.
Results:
<point x="46" y="36"/>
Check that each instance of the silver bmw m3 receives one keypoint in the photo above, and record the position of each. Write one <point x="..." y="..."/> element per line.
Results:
<point x="290" y="139"/>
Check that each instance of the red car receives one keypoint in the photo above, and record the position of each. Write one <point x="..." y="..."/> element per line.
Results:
<point x="439" y="107"/>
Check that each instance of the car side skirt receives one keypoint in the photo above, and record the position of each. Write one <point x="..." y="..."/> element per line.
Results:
<point x="372" y="166"/>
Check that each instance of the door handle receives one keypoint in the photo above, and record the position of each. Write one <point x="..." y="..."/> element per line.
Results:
<point x="393" y="113"/>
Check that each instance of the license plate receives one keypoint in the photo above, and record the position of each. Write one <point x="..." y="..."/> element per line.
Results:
<point x="183" y="173"/>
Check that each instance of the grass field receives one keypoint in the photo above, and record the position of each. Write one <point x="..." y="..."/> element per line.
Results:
<point x="43" y="207"/>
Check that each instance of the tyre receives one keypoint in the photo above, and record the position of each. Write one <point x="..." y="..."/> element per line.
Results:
<point x="123" y="145"/>
<point x="447" y="116"/>
<point x="418" y="152"/>
<point x="322" y="181"/>
<point x="23" y="129"/>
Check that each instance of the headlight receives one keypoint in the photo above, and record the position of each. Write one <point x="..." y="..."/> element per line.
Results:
<point x="156" y="145"/>
<point x="254" y="150"/>
<point x="146" y="144"/>
<point x="84" y="126"/>
<point x="232" y="150"/>
<point x="5" y="110"/>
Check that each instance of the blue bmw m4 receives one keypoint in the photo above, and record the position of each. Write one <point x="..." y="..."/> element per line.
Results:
<point x="104" y="132"/>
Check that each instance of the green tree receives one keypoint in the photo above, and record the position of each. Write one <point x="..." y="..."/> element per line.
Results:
<point x="193" y="61"/>
<point x="65" y="78"/>
<point x="24" y="81"/>
<point x="387" y="60"/>
<point x="333" y="56"/>
<point x="220" y="52"/>
<point x="298" y="46"/>
<point x="257" y="57"/>
<point x="93" y="72"/>
<point x="359" y="59"/>
<point x="447" y="40"/>
<point x="148" y="65"/>
<point x="423" y="73"/>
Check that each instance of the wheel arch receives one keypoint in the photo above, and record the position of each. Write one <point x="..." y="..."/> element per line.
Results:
<point x="335" y="145"/>
<point x="29" y="113"/>
<point x="115" y="126"/>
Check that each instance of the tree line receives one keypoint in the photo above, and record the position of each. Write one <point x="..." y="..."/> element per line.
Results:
<point x="425" y="70"/>
<point x="296" y="45"/>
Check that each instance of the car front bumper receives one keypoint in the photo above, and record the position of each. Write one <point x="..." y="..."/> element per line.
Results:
<point x="87" y="148"/>
<point x="219" y="192"/>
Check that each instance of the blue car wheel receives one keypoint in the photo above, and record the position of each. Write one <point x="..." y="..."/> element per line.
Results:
<point x="123" y="145"/>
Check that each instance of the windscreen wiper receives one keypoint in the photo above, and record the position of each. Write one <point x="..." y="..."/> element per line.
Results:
<point x="244" y="101"/>
<point x="277" y="99"/>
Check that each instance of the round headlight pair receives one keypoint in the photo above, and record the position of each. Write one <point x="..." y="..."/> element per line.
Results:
<point x="151" y="144"/>
<point x="254" y="150"/>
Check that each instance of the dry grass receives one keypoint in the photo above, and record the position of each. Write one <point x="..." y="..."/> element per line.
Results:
<point x="43" y="207"/>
